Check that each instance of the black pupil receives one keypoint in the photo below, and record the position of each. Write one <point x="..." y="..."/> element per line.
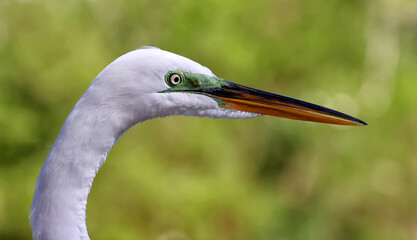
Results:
<point x="175" y="79"/>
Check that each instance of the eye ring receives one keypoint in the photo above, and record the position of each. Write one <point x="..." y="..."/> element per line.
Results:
<point x="175" y="79"/>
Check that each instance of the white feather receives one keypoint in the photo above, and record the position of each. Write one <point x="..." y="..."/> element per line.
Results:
<point x="124" y="93"/>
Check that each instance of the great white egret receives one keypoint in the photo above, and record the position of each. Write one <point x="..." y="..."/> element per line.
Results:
<point x="140" y="85"/>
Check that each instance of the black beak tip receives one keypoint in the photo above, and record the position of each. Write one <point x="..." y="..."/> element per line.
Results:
<point x="361" y="122"/>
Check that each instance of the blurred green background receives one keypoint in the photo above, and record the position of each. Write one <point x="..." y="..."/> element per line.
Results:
<point x="267" y="178"/>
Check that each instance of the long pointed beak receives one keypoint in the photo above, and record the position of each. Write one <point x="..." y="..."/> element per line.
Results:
<point x="239" y="97"/>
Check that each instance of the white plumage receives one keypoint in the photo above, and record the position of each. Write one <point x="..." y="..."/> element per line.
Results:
<point x="124" y="93"/>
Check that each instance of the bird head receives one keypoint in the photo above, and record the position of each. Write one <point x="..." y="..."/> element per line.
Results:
<point x="153" y="83"/>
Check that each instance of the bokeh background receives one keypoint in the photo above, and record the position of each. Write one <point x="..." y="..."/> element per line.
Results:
<point x="187" y="178"/>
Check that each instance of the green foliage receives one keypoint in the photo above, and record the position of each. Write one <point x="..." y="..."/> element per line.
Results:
<point x="267" y="178"/>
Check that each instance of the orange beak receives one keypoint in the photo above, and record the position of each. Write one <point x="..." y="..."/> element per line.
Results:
<point x="239" y="97"/>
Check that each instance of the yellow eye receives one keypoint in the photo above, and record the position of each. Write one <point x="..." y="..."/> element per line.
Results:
<point x="175" y="79"/>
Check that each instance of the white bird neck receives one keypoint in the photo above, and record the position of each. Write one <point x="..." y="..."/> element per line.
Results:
<point x="59" y="205"/>
<point x="127" y="91"/>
